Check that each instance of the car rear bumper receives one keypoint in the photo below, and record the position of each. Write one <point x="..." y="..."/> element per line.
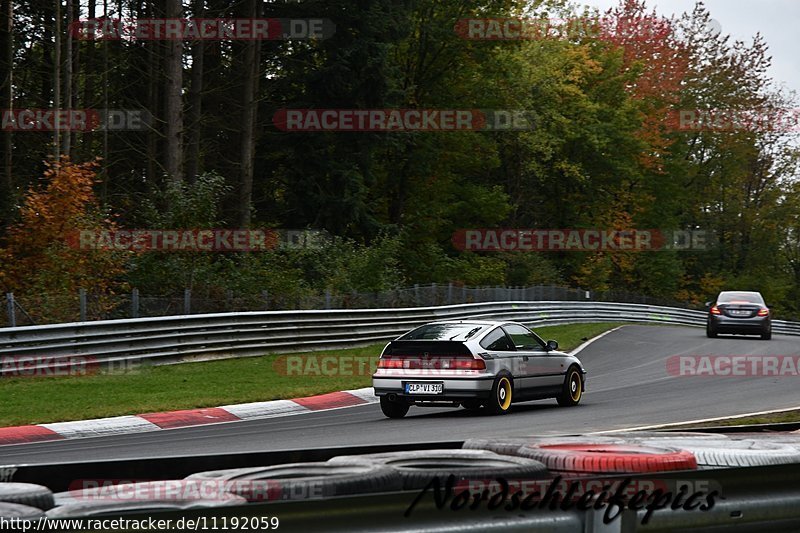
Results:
<point x="454" y="389"/>
<point x="725" y="324"/>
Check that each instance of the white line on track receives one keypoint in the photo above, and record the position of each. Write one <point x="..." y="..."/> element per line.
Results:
<point x="672" y="424"/>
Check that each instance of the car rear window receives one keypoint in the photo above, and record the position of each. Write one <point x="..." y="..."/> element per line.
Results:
<point x="743" y="297"/>
<point x="443" y="332"/>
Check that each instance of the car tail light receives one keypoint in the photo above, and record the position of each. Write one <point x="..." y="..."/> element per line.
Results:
<point x="390" y="363"/>
<point x="433" y="363"/>
<point x="715" y="310"/>
<point x="763" y="312"/>
<point x="468" y="364"/>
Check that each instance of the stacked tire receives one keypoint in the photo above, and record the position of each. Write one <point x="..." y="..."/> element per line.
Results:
<point x="417" y="469"/>
<point x="25" y="501"/>
<point x="302" y="481"/>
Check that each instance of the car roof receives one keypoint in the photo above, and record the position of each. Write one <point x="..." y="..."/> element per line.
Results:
<point x="740" y="292"/>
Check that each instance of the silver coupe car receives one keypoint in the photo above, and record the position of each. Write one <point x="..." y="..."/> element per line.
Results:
<point x="475" y="364"/>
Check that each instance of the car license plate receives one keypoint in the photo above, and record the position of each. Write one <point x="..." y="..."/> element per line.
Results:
<point x="740" y="313"/>
<point x="424" y="388"/>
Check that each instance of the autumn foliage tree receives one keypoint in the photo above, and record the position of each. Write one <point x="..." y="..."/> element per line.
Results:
<point x="42" y="257"/>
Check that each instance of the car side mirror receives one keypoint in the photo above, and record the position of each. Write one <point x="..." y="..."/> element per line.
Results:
<point x="708" y="304"/>
<point x="552" y="345"/>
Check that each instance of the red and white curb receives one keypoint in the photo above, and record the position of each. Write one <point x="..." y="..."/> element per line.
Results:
<point x="121" y="425"/>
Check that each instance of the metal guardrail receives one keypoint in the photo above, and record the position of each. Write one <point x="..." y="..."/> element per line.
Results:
<point x="192" y="337"/>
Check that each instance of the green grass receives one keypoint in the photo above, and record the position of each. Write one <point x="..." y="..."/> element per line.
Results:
<point x="774" y="418"/>
<point x="35" y="400"/>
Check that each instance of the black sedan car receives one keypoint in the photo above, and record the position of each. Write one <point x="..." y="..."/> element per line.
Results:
<point x="742" y="312"/>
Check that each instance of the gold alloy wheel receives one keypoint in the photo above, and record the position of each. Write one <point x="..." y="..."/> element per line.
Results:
<point x="575" y="386"/>
<point x="504" y="394"/>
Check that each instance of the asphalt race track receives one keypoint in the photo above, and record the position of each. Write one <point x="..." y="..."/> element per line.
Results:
<point x="628" y="385"/>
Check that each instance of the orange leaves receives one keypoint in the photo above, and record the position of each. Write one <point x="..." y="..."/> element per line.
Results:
<point x="651" y="48"/>
<point x="37" y="257"/>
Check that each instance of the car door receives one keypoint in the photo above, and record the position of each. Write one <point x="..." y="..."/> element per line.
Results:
<point x="539" y="368"/>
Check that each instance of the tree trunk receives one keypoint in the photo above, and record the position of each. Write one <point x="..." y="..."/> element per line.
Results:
<point x="57" y="77"/>
<point x="249" y="108"/>
<point x="66" y="146"/>
<point x="89" y="82"/>
<point x="153" y="101"/>
<point x="173" y="103"/>
<point x="7" y="89"/>
<point x="194" y="118"/>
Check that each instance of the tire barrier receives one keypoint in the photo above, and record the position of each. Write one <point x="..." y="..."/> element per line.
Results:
<point x="27" y="494"/>
<point x="130" y="497"/>
<point x="22" y="512"/>
<point x="609" y="458"/>
<point x="711" y="453"/>
<point x="303" y="481"/>
<point x="418" y="468"/>
<point x="510" y="445"/>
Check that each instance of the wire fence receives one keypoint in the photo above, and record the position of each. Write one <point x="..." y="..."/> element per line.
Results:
<point x="87" y="306"/>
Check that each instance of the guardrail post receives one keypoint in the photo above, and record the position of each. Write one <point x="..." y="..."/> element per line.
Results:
<point x="12" y="318"/>
<point x="265" y="296"/>
<point x="135" y="303"/>
<point x="82" y="298"/>
<point x="187" y="301"/>
<point x="416" y="294"/>
<point x="450" y="293"/>
<point x="463" y="294"/>
<point x="433" y="298"/>
<point x="327" y="298"/>
<point x="588" y="295"/>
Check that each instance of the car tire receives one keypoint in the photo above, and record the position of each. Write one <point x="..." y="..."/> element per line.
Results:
<point x="767" y="335"/>
<point x="572" y="391"/>
<point x="711" y="333"/>
<point x="501" y="396"/>
<point x="393" y="408"/>
<point x="27" y="494"/>
<point x="418" y="468"/>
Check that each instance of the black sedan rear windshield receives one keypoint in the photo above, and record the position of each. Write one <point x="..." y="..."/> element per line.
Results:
<point x="731" y="297"/>
<point x="444" y="332"/>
